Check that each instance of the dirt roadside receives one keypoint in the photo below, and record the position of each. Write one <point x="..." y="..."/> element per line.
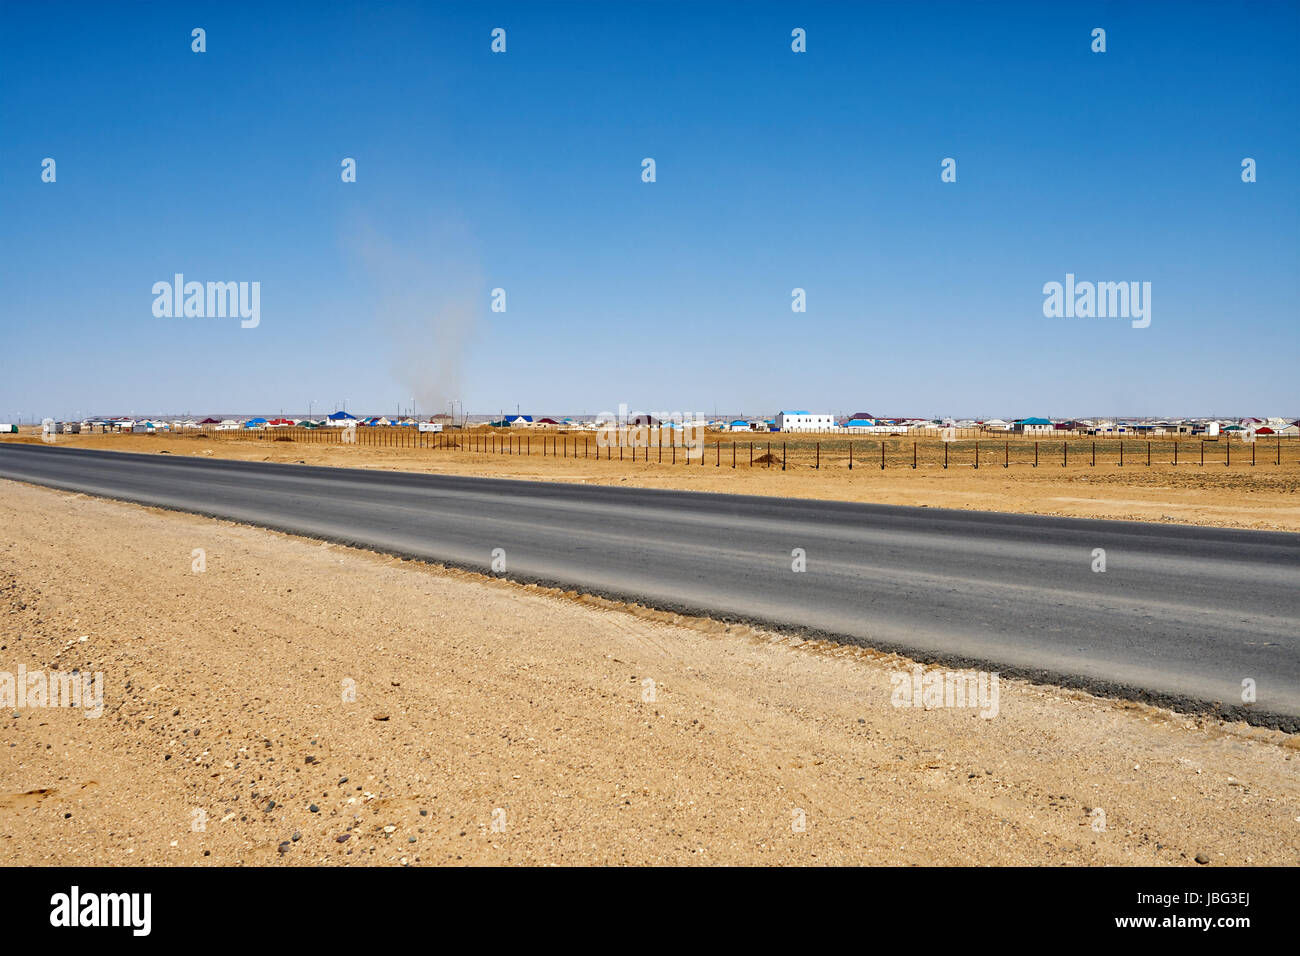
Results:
<point x="480" y="702"/>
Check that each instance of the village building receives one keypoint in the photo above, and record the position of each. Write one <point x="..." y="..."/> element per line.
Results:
<point x="800" y="421"/>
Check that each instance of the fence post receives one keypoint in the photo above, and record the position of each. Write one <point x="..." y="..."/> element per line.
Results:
<point x="1006" y="455"/>
<point x="783" y="456"/>
<point x="1121" y="453"/>
<point x="882" y="454"/>
<point x="819" y="456"/>
<point x="914" y="456"/>
<point x="1202" y="452"/>
<point x="850" y="456"/>
<point x="1227" y="444"/>
<point x="977" y="454"/>
<point x="1094" y="454"/>
<point x="1035" y="454"/>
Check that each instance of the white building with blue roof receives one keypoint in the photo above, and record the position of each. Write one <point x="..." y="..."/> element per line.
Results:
<point x="797" y="421"/>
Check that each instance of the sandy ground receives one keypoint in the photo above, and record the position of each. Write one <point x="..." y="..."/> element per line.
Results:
<point x="1266" y="496"/>
<point x="481" y="702"/>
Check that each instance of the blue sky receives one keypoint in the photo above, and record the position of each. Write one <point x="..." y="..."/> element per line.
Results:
<point x="775" y="170"/>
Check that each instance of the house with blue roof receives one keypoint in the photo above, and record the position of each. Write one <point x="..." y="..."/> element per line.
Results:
<point x="1033" y="426"/>
<point x="802" y="421"/>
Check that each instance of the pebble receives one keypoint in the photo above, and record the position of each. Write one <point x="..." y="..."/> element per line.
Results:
<point x="343" y="839"/>
<point x="1202" y="859"/>
<point x="296" y="836"/>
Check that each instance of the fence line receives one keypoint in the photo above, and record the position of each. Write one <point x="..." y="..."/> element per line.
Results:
<point x="892" y="452"/>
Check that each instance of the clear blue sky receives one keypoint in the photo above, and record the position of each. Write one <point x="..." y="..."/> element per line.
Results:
<point x="775" y="170"/>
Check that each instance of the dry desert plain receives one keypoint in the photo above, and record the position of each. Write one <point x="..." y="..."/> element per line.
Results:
<point x="496" y="723"/>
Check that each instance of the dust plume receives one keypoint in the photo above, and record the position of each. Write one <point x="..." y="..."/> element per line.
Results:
<point x="428" y="298"/>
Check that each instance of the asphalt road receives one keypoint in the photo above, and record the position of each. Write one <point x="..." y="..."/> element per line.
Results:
<point x="1181" y="615"/>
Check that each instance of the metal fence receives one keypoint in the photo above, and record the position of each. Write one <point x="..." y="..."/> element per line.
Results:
<point x="794" y="452"/>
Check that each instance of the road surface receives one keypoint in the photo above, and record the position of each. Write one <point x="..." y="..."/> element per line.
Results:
<point x="1181" y="615"/>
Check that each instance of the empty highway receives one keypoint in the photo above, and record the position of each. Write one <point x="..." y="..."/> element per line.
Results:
<point x="1181" y="615"/>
